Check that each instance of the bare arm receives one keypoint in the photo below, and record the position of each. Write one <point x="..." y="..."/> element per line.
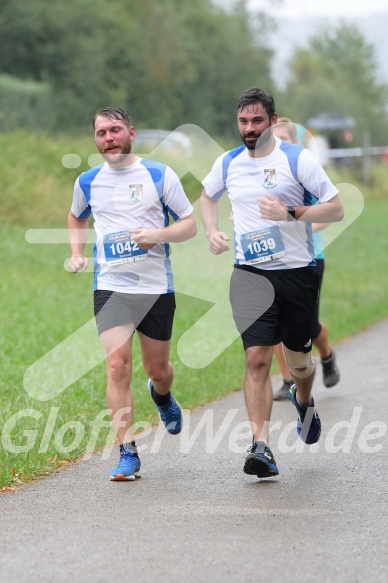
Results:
<point x="176" y="233"/>
<point x="319" y="226"/>
<point x="209" y="215"/>
<point x="325" y="212"/>
<point x="78" y="235"/>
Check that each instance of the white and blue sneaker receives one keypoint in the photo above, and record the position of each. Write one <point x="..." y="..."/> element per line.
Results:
<point x="170" y="414"/>
<point x="128" y="467"/>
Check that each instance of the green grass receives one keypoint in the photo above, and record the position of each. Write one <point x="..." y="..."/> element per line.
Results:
<point x="42" y="305"/>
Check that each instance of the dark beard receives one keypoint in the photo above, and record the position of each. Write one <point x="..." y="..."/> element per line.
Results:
<point x="262" y="140"/>
<point x="250" y="146"/>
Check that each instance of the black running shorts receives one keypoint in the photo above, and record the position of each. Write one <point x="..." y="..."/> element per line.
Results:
<point x="151" y="314"/>
<point x="272" y="306"/>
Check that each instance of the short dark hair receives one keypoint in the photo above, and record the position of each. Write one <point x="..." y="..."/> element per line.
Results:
<point x="255" y="95"/>
<point x="113" y="113"/>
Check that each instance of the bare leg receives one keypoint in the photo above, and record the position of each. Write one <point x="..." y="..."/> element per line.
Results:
<point x="304" y="388"/>
<point x="155" y="355"/>
<point x="117" y="345"/>
<point x="258" y="391"/>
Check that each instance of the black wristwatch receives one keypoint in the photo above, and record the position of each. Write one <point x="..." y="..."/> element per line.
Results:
<point x="290" y="213"/>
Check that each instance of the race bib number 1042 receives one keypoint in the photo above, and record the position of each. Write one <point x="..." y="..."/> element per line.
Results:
<point x="119" y="248"/>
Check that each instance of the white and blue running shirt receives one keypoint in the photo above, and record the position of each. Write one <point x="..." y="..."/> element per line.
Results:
<point x="143" y="194"/>
<point x="290" y="173"/>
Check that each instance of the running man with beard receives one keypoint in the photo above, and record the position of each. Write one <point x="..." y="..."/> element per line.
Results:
<point x="274" y="284"/>
<point x="132" y="201"/>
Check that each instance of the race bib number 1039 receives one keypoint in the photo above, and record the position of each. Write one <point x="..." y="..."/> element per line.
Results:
<point x="262" y="245"/>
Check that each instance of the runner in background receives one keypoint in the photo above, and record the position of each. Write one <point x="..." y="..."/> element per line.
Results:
<point x="286" y="130"/>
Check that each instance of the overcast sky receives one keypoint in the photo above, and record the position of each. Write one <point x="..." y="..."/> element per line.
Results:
<point x="325" y="8"/>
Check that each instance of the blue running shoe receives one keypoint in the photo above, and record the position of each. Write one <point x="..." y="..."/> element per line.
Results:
<point x="128" y="467"/>
<point x="260" y="461"/>
<point x="170" y="414"/>
<point x="308" y="425"/>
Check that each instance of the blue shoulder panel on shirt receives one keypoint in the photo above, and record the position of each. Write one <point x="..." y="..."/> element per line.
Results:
<point x="86" y="179"/>
<point x="229" y="156"/>
<point x="157" y="171"/>
<point x="85" y="182"/>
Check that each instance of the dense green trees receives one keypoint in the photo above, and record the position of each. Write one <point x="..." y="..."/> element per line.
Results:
<point x="337" y="72"/>
<point x="168" y="61"/>
<point x="171" y="62"/>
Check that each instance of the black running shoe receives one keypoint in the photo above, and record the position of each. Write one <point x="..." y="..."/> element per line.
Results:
<point x="260" y="461"/>
<point x="282" y="393"/>
<point x="331" y="374"/>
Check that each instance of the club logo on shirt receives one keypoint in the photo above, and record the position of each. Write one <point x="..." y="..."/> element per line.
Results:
<point x="135" y="192"/>
<point x="269" y="177"/>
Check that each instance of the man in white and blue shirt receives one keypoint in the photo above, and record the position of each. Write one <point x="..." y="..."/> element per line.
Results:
<point x="272" y="186"/>
<point x="132" y="201"/>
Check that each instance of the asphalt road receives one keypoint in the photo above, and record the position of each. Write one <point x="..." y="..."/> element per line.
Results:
<point x="194" y="516"/>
